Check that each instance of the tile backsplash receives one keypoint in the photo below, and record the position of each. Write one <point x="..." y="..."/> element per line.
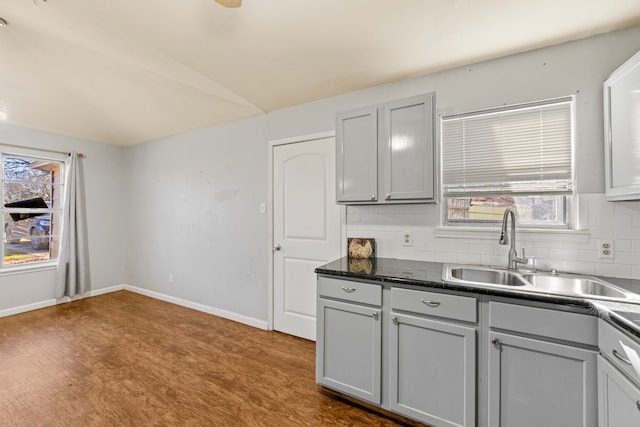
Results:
<point x="617" y="222"/>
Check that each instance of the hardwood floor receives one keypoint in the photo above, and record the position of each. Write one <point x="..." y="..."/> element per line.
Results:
<point x="123" y="359"/>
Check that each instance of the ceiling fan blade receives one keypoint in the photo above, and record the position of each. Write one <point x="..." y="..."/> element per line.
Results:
<point x="230" y="3"/>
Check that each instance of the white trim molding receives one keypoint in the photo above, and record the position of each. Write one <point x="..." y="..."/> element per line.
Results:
<point x="251" y="321"/>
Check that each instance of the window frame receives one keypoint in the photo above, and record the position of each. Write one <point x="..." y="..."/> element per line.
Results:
<point x="566" y="201"/>
<point x="54" y="211"/>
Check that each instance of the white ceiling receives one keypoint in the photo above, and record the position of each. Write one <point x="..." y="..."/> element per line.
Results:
<point x="130" y="71"/>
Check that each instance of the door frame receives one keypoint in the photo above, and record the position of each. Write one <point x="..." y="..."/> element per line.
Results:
<point x="343" y="212"/>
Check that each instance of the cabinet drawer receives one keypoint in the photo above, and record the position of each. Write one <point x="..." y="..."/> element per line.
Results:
<point x="554" y="324"/>
<point x="622" y="350"/>
<point x="365" y="293"/>
<point x="434" y="304"/>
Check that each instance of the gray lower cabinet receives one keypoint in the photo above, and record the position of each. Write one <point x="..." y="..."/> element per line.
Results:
<point x="432" y="371"/>
<point x="452" y="359"/>
<point x="349" y="342"/>
<point x="619" y="398"/>
<point x="540" y="373"/>
<point x="618" y="378"/>
<point x="385" y="153"/>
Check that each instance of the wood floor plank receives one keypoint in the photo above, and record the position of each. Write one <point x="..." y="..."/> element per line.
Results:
<point x="123" y="359"/>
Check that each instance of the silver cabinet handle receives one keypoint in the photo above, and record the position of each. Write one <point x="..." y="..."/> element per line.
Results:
<point x="495" y="341"/>
<point x="348" y="290"/>
<point x="430" y="303"/>
<point x="277" y="247"/>
<point x="621" y="357"/>
<point x="394" y="320"/>
<point x="388" y="196"/>
<point x="373" y="197"/>
<point x="375" y="315"/>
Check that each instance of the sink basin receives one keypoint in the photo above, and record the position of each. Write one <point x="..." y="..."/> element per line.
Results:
<point x="487" y="276"/>
<point x="566" y="284"/>
<point x="583" y="286"/>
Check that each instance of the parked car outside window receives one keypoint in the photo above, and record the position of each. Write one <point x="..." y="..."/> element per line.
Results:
<point x="35" y="228"/>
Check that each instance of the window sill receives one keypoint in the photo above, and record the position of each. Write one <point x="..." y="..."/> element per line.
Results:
<point x="32" y="268"/>
<point x="539" y="234"/>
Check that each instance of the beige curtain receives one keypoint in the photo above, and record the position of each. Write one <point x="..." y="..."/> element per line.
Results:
<point x="73" y="276"/>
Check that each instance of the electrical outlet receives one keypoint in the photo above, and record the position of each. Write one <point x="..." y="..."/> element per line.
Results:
<point x="605" y="249"/>
<point x="407" y="238"/>
<point x="170" y="277"/>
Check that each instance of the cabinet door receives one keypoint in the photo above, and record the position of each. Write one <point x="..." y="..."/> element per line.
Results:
<point x="357" y="155"/>
<point x="537" y="383"/>
<point x="618" y="398"/>
<point x="622" y="131"/>
<point x="407" y="149"/>
<point x="348" y="349"/>
<point x="432" y="371"/>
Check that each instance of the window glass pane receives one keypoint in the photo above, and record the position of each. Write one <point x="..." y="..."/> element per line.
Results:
<point x="32" y="194"/>
<point x="532" y="210"/>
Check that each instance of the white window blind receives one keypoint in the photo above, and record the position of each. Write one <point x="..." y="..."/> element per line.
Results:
<point x="522" y="149"/>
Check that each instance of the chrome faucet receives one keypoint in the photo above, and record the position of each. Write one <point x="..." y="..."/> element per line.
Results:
<point x="504" y="240"/>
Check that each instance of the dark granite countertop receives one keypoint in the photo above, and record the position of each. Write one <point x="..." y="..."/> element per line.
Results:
<point x="429" y="274"/>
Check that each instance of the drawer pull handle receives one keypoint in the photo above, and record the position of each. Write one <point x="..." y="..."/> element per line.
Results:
<point x="394" y="320"/>
<point x="497" y="343"/>
<point x="620" y="357"/>
<point x="375" y="315"/>
<point x="430" y="303"/>
<point x="348" y="290"/>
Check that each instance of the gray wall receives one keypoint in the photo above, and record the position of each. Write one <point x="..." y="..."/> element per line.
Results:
<point x="105" y="187"/>
<point x="193" y="203"/>
<point x="194" y="198"/>
<point x="189" y="205"/>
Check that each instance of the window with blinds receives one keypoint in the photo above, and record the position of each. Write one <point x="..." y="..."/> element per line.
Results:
<point x="515" y="156"/>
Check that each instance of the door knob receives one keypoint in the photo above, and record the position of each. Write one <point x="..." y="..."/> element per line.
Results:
<point x="277" y="247"/>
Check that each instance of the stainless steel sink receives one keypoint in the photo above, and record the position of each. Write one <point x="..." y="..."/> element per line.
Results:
<point x="571" y="285"/>
<point x="487" y="276"/>
<point x="575" y="285"/>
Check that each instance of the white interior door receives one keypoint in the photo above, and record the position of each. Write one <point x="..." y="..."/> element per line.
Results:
<point x="306" y="230"/>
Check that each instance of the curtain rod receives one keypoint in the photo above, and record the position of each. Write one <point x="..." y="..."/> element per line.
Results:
<point x="80" y="155"/>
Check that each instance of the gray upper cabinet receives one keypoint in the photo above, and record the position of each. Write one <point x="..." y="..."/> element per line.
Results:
<point x="385" y="154"/>
<point x="357" y="155"/>
<point x="407" y="149"/>
<point x="622" y="131"/>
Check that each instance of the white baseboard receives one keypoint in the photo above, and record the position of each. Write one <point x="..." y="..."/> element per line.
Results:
<point x="28" y="307"/>
<point x="51" y="302"/>
<point x="94" y="293"/>
<point x="251" y="321"/>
